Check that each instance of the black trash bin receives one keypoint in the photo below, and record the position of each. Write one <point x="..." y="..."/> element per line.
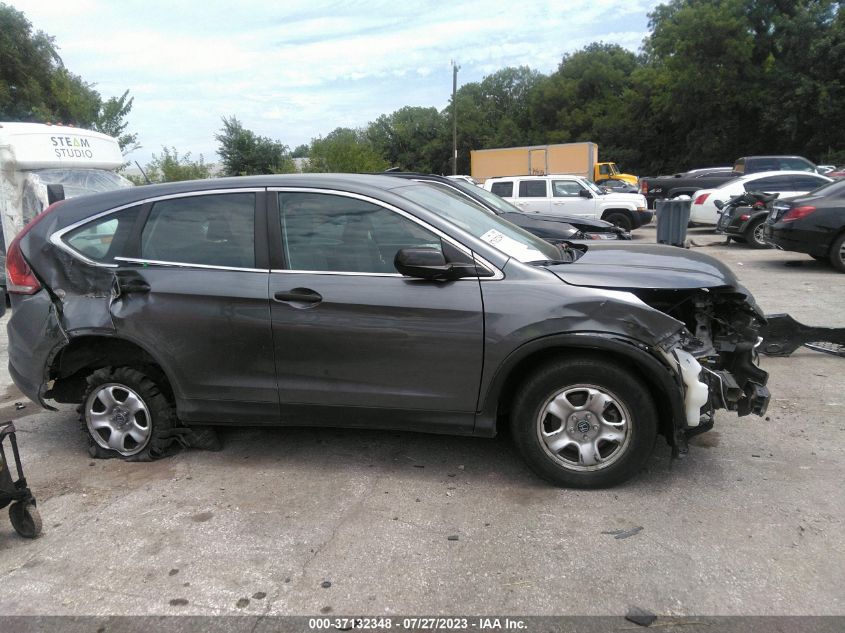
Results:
<point x="672" y="221"/>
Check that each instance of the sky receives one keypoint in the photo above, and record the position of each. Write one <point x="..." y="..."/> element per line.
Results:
<point x="297" y="69"/>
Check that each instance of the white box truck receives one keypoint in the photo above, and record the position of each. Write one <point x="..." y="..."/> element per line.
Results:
<point x="42" y="163"/>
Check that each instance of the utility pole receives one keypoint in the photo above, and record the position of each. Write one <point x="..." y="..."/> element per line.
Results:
<point x="455" y="69"/>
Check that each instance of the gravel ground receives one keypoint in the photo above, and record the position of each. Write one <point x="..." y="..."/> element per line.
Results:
<point x="302" y="521"/>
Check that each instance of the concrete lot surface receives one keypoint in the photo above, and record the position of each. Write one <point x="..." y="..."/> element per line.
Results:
<point x="299" y="521"/>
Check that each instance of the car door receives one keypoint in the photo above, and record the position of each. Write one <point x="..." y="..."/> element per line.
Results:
<point x="194" y="294"/>
<point x="569" y="197"/>
<point x="357" y="343"/>
<point x="532" y="196"/>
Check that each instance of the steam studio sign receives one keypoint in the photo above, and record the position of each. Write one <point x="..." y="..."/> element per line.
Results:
<point x="71" y="147"/>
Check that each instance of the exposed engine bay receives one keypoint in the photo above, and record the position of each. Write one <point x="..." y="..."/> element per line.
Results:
<point x="722" y="334"/>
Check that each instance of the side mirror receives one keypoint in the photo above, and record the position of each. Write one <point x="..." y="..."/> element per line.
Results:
<point x="429" y="263"/>
<point x="584" y="193"/>
<point x="719" y="204"/>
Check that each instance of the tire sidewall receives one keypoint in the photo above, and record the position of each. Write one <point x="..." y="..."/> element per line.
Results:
<point x="835" y="258"/>
<point x="632" y="393"/>
<point x="161" y="413"/>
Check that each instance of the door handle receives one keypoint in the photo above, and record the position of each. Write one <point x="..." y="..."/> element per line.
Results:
<point x="298" y="295"/>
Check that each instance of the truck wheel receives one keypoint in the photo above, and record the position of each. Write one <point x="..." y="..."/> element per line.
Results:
<point x="619" y="219"/>
<point x="126" y="415"/>
<point x="837" y="253"/>
<point x="754" y="234"/>
<point x="584" y="423"/>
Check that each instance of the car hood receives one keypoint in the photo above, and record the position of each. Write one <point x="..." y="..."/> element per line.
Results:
<point x="622" y="197"/>
<point x="644" y="266"/>
<point x="575" y="220"/>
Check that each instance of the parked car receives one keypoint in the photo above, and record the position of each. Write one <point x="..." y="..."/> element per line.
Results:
<point x="784" y="183"/>
<point x="552" y="228"/>
<point x="611" y="185"/>
<point x="684" y="183"/>
<point x="838" y="172"/>
<point x="571" y="195"/>
<point x="370" y="301"/>
<point x="756" y="164"/>
<point x="812" y="224"/>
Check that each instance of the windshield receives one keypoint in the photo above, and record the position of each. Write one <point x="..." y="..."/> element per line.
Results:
<point x="501" y="234"/>
<point x="79" y="182"/>
<point x="593" y="187"/>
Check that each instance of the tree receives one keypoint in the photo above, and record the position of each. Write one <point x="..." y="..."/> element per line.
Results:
<point x="244" y="153"/>
<point x="111" y="120"/>
<point x="301" y="151"/>
<point x="411" y="138"/>
<point x="170" y="167"/>
<point x="36" y="86"/>
<point x="344" y="150"/>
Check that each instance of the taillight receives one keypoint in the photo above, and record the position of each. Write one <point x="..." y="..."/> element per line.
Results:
<point x="744" y="217"/>
<point x="19" y="276"/>
<point x="700" y="199"/>
<point x="797" y="213"/>
<point x="644" y="187"/>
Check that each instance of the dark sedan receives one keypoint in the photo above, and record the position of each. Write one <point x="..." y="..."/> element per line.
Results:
<point x="813" y="224"/>
<point x="552" y="228"/>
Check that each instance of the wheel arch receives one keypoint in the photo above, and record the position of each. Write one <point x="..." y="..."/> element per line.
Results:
<point x="88" y="352"/>
<point x="662" y="383"/>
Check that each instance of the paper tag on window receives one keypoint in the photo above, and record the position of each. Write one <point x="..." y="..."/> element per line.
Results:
<point x="511" y="247"/>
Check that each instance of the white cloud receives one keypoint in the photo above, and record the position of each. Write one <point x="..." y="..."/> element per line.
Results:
<point x="298" y="69"/>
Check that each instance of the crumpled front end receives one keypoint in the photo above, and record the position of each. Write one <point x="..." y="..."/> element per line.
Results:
<point x="717" y="354"/>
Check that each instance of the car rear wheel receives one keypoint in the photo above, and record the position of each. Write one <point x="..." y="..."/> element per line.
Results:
<point x="584" y="423"/>
<point x="126" y="415"/>
<point x="755" y="234"/>
<point x="837" y="253"/>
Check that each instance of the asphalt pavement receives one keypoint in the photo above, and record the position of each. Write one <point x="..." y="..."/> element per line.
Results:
<point x="304" y="521"/>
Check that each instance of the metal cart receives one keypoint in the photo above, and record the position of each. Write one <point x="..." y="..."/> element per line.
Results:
<point x="22" y="512"/>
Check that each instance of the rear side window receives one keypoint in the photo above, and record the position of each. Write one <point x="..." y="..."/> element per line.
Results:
<point x="212" y="230"/>
<point x="772" y="183"/>
<point x="532" y="189"/>
<point x="807" y="182"/>
<point x="504" y="189"/>
<point x="105" y="238"/>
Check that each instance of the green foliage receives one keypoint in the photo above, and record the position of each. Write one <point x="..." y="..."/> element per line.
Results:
<point x="170" y="167"/>
<point x="412" y="139"/>
<point x="301" y="151"/>
<point x="344" y="151"/>
<point x="244" y="153"/>
<point x="36" y="86"/>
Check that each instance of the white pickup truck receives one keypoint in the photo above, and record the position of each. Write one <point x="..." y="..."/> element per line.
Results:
<point x="571" y="195"/>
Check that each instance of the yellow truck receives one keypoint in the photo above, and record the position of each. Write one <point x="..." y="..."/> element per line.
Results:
<point x="579" y="159"/>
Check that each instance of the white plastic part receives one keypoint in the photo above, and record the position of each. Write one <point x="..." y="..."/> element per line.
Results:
<point x="696" y="392"/>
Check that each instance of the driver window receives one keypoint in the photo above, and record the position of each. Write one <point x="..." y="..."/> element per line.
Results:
<point x="566" y="189"/>
<point x="331" y="233"/>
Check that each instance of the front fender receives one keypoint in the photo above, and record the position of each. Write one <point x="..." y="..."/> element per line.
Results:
<point x="660" y="376"/>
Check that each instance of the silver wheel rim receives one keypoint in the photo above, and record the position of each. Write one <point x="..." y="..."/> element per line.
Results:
<point x="760" y="233"/>
<point x="118" y="419"/>
<point x="584" y="427"/>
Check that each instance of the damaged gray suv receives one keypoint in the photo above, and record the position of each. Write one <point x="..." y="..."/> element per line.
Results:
<point x="369" y="301"/>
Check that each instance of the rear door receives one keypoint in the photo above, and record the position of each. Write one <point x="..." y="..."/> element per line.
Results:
<point x="355" y="341"/>
<point x="194" y="294"/>
<point x="532" y="196"/>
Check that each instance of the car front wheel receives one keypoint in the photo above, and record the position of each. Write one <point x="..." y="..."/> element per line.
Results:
<point x="584" y="423"/>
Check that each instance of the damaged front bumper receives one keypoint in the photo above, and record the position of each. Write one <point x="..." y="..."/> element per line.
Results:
<point x="716" y="360"/>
